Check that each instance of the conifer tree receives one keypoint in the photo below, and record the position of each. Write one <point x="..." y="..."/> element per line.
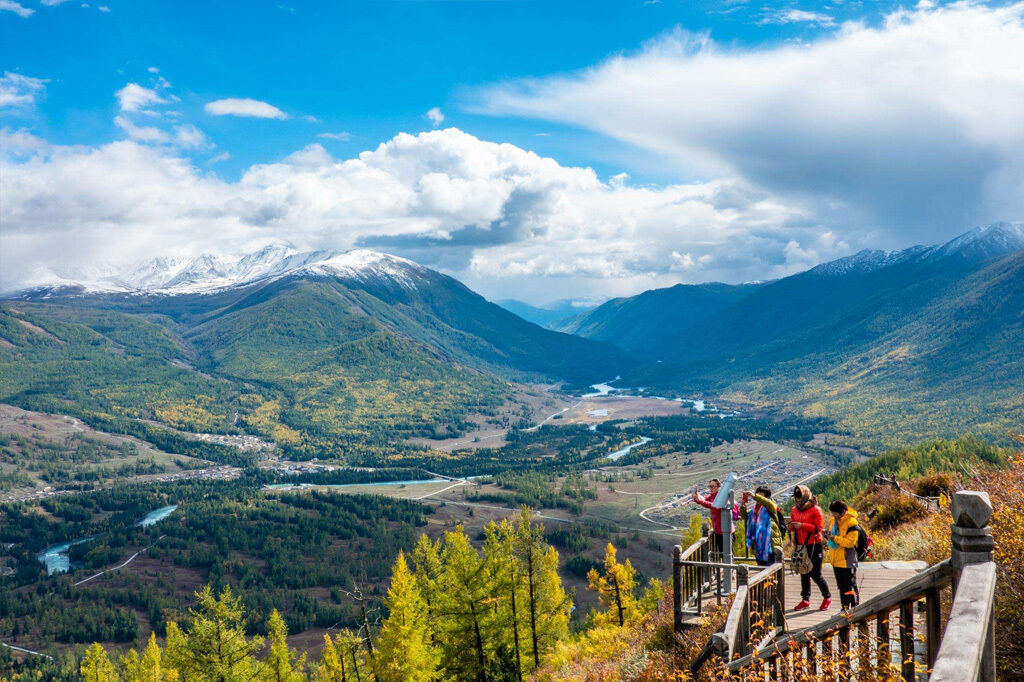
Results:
<point x="615" y="589"/>
<point x="96" y="666"/>
<point x="547" y="606"/>
<point x="341" y="660"/>
<point x="215" y="648"/>
<point x="149" y="667"/>
<point x="462" y="595"/>
<point x="281" y="665"/>
<point x="426" y="561"/>
<point x="404" y="648"/>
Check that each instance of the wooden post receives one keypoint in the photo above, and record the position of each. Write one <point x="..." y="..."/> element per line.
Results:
<point x="882" y="656"/>
<point x="780" y="603"/>
<point x="907" y="639"/>
<point x="933" y="623"/>
<point x="677" y="588"/>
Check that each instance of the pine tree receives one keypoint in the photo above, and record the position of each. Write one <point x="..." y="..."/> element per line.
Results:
<point x="615" y="589"/>
<point x="215" y="648"/>
<point x="341" y="660"/>
<point x="426" y="561"/>
<point x="404" y="648"/>
<point x="96" y="667"/>
<point x="281" y="664"/>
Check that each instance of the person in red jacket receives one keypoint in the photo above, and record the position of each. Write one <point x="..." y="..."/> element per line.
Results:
<point x="806" y="523"/>
<point x="717" y="540"/>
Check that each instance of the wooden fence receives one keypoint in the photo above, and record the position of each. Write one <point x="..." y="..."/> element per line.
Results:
<point x="959" y="647"/>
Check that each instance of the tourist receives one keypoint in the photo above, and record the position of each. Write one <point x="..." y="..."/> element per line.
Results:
<point x="763" y="533"/>
<point x="717" y="539"/>
<point x="806" y="523"/>
<point x="842" y="551"/>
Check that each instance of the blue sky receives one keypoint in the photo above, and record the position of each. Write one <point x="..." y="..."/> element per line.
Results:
<point x="370" y="68"/>
<point x="674" y="141"/>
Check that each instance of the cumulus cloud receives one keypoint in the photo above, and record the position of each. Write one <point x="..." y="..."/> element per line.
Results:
<point x="494" y="214"/>
<point x="908" y="130"/>
<point x="18" y="91"/>
<point x="136" y="98"/>
<point x="20" y="10"/>
<point x="252" y="108"/>
<point x="141" y="133"/>
<point x="435" y="116"/>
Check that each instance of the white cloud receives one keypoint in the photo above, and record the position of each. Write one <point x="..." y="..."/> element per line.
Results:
<point x="135" y="98"/>
<point x="797" y="16"/>
<point x="20" y="10"/>
<point x="52" y="3"/>
<point x="223" y="156"/>
<point x="909" y="130"/>
<point x="244" y="107"/>
<point x="153" y="69"/>
<point x="141" y="133"/>
<point x="435" y="116"/>
<point x="340" y="137"/>
<point x="494" y="214"/>
<point x="190" y="137"/>
<point x="103" y="8"/>
<point x="17" y="91"/>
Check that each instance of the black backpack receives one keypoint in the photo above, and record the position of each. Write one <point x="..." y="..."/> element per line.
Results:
<point x="864" y="543"/>
<point x="780" y="519"/>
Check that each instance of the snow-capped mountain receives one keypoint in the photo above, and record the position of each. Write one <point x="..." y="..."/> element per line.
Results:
<point x="976" y="245"/>
<point x="210" y="273"/>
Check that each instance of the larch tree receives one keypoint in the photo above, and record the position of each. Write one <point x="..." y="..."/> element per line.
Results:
<point x="215" y="647"/>
<point x="405" y="652"/>
<point x="281" y="663"/>
<point x="149" y="667"/>
<point x="96" y="666"/>
<point x="615" y="587"/>
<point x="547" y="606"/>
<point x="463" y="598"/>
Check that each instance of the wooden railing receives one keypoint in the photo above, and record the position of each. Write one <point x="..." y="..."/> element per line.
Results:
<point x="890" y="481"/>
<point x="884" y="629"/>
<point x="698" y="578"/>
<point x="758" y="612"/>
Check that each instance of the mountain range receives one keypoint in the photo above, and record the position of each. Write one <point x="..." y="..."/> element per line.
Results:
<point x="322" y="352"/>
<point x="357" y="351"/>
<point x="927" y="340"/>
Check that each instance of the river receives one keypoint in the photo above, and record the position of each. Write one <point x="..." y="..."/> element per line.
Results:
<point x="56" y="558"/>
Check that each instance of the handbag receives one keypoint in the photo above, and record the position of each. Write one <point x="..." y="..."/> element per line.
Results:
<point x="802" y="557"/>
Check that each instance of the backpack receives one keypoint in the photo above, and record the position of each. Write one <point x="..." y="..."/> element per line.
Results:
<point x="864" y="543"/>
<point x="780" y="521"/>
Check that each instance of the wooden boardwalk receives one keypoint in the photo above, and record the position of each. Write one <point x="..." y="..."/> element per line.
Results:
<point x="872" y="579"/>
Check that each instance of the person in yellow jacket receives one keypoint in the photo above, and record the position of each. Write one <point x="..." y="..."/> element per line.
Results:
<point x="841" y="540"/>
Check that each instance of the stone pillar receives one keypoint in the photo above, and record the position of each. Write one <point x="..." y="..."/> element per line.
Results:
<point x="972" y="539"/>
<point x="973" y="544"/>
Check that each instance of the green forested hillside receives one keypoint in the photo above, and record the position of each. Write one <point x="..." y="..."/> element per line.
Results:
<point x="925" y="343"/>
<point x="323" y="366"/>
<point x="640" y="322"/>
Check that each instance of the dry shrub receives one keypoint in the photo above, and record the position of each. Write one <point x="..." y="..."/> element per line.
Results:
<point x="1006" y="488"/>
<point x="898" y="510"/>
<point x="646" y="651"/>
<point x="926" y="539"/>
<point x="935" y="485"/>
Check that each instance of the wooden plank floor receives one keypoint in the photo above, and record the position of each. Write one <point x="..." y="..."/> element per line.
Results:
<point x="872" y="579"/>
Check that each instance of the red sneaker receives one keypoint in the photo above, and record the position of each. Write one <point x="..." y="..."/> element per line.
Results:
<point x="825" y="603"/>
<point x="804" y="604"/>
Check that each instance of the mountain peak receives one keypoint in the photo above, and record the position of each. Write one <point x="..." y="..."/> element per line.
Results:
<point x="208" y="273"/>
<point x="984" y="242"/>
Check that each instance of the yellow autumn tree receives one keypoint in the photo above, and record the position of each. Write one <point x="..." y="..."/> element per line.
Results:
<point x="404" y="650"/>
<point x="615" y="588"/>
<point x="281" y="663"/>
<point x="96" y="666"/>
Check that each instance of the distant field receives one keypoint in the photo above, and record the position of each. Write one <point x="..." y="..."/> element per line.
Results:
<point x="39" y="450"/>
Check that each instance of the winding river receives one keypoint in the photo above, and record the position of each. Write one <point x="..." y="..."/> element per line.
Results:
<point x="56" y="559"/>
